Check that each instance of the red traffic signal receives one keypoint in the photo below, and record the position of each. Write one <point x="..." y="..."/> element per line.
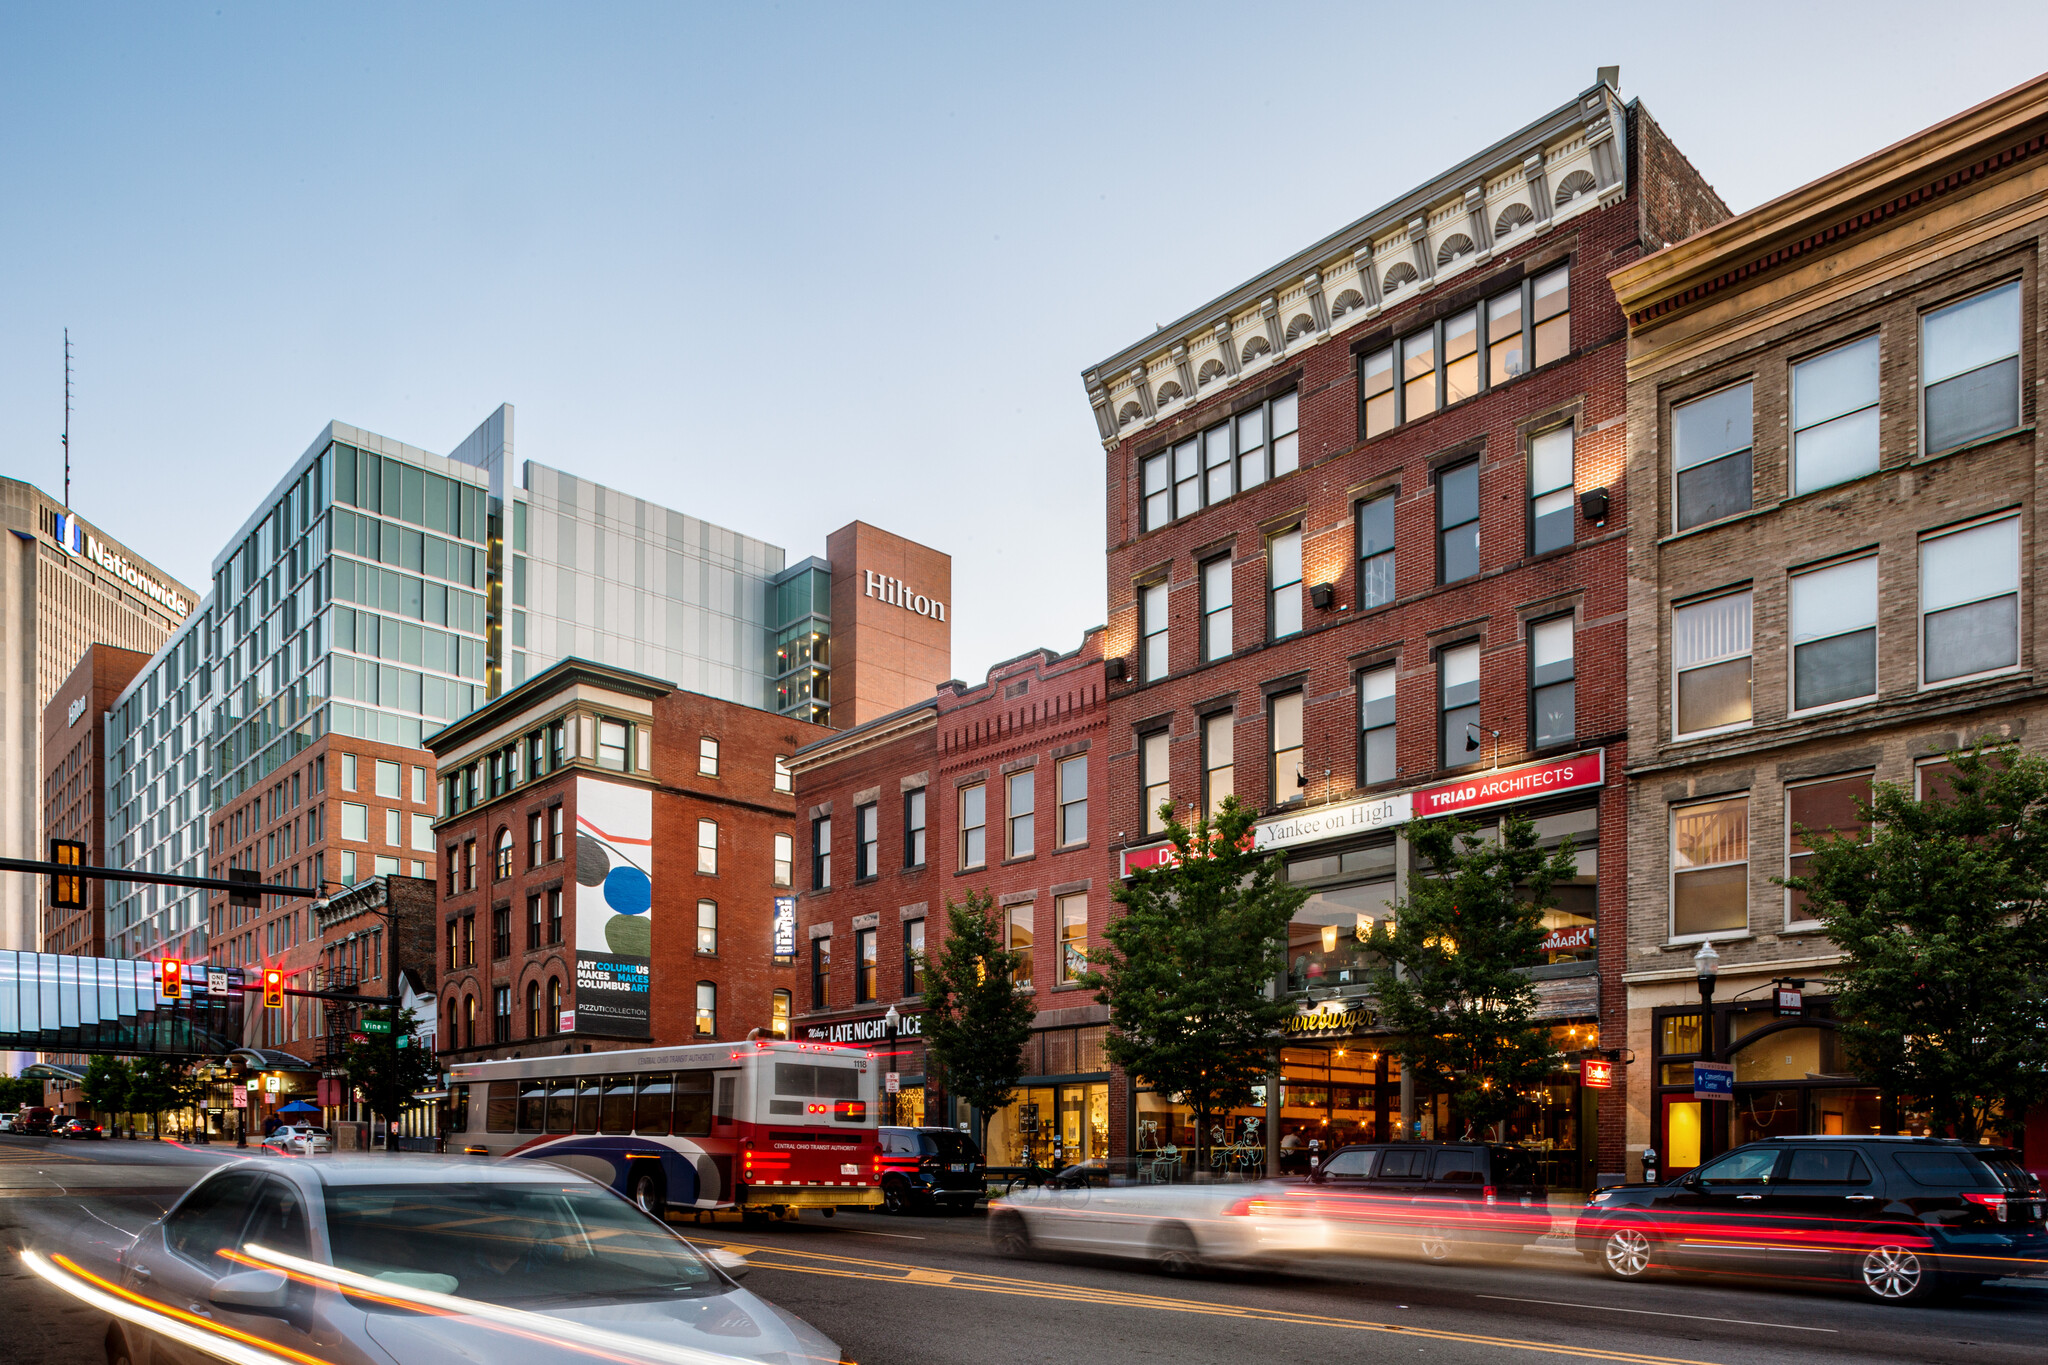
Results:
<point x="273" y="989"/>
<point x="173" y="978"/>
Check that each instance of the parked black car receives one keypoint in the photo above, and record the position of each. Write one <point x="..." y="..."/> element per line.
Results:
<point x="930" y="1168"/>
<point x="77" y="1128"/>
<point x="1443" y="1200"/>
<point x="1896" y="1217"/>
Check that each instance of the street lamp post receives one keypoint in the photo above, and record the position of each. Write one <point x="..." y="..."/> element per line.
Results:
<point x="1706" y="965"/>
<point x="891" y="1022"/>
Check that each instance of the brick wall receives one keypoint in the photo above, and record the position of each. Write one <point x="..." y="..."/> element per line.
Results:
<point x="1675" y="199"/>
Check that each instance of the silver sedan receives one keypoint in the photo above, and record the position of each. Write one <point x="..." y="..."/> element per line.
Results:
<point x="400" y="1261"/>
<point x="1177" y="1229"/>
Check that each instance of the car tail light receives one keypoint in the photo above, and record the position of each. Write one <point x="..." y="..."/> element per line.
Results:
<point x="1491" y="1198"/>
<point x="1238" y="1208"/>
<point x="1996" y="1203"/>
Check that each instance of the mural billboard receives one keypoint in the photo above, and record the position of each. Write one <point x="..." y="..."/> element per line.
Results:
<point x="614" y="907"/>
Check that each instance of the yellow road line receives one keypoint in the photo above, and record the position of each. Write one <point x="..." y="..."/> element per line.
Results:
<point x="862" y="1268"/>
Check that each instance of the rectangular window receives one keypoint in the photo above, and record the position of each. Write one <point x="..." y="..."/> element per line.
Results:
<point x="501" y="1015"/>
<point x="778" y="1014"/>
<point x="348" y="772"/>
<point x="536" y="839"/>
<point x="1710" y="645"/>
<point x="1554" y="717"/>
<point x="1969" y="601"/>
<point x="1219" y="761"/>
<point x="707" y="1009"/>
<point x="1283" y="723"/>
<point x="707" y="926"/>
<point x="1285" y="442"/>
<point x="821" y="971"/>
<point x="1819" y="809"/>
<point x="388" y="776"/>
<point x="1251" y="448"/>
<point x="1157" y="477"/>
<point x="1216" y="462"/>
<point x="554" y="917"/>
<point x="913" y="957"/>
<point x="1216" y="608"/>
<point x="1072" y="778"/>
<point x="355" y="822"/>
<point x="1376" y="725"/>
<point x="1970" y="368"/>
<point x="1376" y="551"/>
<point x="1020" y="802"/>
<point x="864" y="968"/>
<point x="707" y="846"/>
<point x="785" y="859"/>
<point x="554" y="832"/>
<point x="1461" y="356"/>
<point x="1834" y="416"/>
<point x="913" y="827"/>
<point x="533" y="923"/>
<point x="1457" y="522"/>
<point x="1710" y="868"/>
<point x="1283" y="584"/>
<point x="611" y="745"/>
<point x="1458" y="706"/>
<point x="1152" y="628"/>
<point x="469" y="940"/>
<point x="1504" y="341"/>
<point x="1834" y="634"/>
<point x="1418" y="375"/>
<point x="1376" y="383"/>
<point x="784" y="781"/>
<point x="973" y="826"/>
<point x="821" y="854"/>
<point x="1710" y="457"/>
<point x="1155" y="759"/>
<point x="1187" y="477"/>
<point x="1020" y="942"/>
<point x="501" y="931"/>
<point x="1550" y="491"/>
<point x="1072" y="915"/>
<point x="867" y="841"/>
<point x="707" y="757"/>
<point x="1550" y="303"/>
<point x="393" y="838"/>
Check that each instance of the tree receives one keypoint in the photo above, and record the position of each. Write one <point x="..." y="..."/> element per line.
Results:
<point x="159" y="1084"/>
<point x="976" y="1021"/>
<point x="106" y="1084"/>
<point x="19" y="1092"/>
<point x="1942" y="921"/>
<point x="1188" y="970"/>
<point x="1454" y="988"/>
<point x="389" y="1077"/>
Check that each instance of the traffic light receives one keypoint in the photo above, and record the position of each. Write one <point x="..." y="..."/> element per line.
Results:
<point x="245" y="900"/>
<point x="173" y="979"/>
<point x="273" y="989"/>
<point x="67" y="889"/>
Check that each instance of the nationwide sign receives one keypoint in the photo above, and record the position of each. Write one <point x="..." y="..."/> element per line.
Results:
<point x="1330" y="822"/>
<point x="78" y="541"/>
<point x="864" y="1030"/>
<point x="1525" y="783"/>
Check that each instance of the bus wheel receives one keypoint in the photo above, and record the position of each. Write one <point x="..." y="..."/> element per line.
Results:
<point x="647" y="1193"/>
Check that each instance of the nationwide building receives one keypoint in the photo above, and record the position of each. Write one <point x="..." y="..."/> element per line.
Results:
<point x="996" y="788"/>
<point x="68" y="586"/>
<point x="1834" y="473"/>
<point x="1367" y="552"/>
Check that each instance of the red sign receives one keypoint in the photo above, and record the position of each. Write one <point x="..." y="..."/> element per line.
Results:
<point x="1596" y="1073"/>
<point x="1525" y="783"/>
<point x="1566" y="937"/>
<point x="1159" y="855"/>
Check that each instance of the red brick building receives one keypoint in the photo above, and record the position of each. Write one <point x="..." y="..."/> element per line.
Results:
<point x="1367" y="559"/>
<point x="997" y="788"/>
<point x="74" y="786"/>
<point x="612" y="848"/>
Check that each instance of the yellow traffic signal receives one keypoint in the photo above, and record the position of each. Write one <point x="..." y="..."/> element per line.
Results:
<point x="173" y="979"/>
<point x="273" y="989"/>
<point x="67" y="890"/>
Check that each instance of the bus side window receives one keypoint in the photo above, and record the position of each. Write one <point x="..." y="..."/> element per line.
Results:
<point x="561" y="1106"/>
<point x="533" y="1097"/>
<point x="617" y="1113"/>
<point x="501" y="1103"/>
<point x="650" y="1107"/>
<point x="693" y="1103"/>
<point x="458" y="1109"/>
<point x="728" y="1098"/>
<point x="588" y="1092"/>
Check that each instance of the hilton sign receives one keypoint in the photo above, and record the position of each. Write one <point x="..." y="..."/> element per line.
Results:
<point x="897" y="594"/>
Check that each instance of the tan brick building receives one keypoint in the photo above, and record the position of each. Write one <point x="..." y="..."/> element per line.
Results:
<point x="1834" y="483"/>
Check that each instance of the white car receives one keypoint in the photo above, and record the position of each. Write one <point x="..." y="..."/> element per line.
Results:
<point x="297" y="1139"/>
<point x="6" y="1123"/>
<point x="1177" y="1229"/>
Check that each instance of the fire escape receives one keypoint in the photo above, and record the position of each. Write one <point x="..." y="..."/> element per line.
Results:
<point x="340" y="1017"/>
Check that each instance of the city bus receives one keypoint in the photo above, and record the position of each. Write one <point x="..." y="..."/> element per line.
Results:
<point x="763" y="1126"/>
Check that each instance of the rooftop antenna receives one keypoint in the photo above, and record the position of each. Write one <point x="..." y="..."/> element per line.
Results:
<point x="67" y="419"/>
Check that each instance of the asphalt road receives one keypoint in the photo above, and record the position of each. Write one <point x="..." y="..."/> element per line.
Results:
<point x="929" y="1291"/>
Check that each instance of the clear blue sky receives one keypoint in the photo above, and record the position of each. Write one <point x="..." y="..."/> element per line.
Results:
<point x="782" y="265"/>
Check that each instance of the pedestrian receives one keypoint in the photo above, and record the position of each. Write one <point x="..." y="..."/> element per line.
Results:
<point x="271" y="1124"/>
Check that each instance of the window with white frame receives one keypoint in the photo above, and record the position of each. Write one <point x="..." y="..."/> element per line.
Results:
<point x="1417" y="374"/>
<point x="611" y="745"/>
<point x="1969" y="601"/>
<point x="1283" y="719"/>
<point x="1550" y="491"/>
<point x="1834" y="416"/>
<point x="1072" y="776"/>
<point x="707" y="1009"/>
<point x="784" y="782"/>
<point x="1710" y="654"/>
<point x="1216" y="608"/>
<point x="1457" y="522"/>
<point x="707" y="926"/>
<point x="1154" y="760"/>
<point x="1283" y="584"/>
<point x="1071" y="914"/>
<point x="867" y="841"/>
<point x="1710" y="456"/>
<point x="1153" y="662"/>
<point x="1970" y="368"/>
<point x="1457" y="670"/>
<point x="1376" y="725"/>
<point x="785" y="859"/>
<point x="1376" y="551"/>
<point x="707" y="757"/>
<point x="821" y="853"/>
<point x="707" y="846"/>
<point x="1710" y="868"/>
<point x="1553" y="713"/>
<point x="1241" y="452"/>
<point x="1219" y="761"/>
<point x="1834" y="634"/>
<point x="1020" y="804"/>
<point x="974" y="825"/>
<point x="913" y="827"/>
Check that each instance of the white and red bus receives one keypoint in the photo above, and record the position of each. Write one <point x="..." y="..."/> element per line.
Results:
<point x="760" y="1126"/>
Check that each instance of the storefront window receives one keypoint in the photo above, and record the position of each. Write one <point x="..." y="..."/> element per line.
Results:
<point x="1051" y="1125"/>
<point x="1798" y="1054"/>
<point x="1326" y="942"/>
<point x="1571" y="922"/>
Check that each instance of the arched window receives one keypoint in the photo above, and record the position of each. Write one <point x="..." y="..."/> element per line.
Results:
<point x="778" y="1019"/>
<point x="707" y="1009"/>
<point x="707" y="926"/>
<point x="454" y="1035"/>
<point x="533" y="1028"/>
<point x="469" y="1021"/>
<point x="554" y="1019"/>
<point x="504" y="863"/>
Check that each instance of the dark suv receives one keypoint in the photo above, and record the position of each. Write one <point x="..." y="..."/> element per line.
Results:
<point x="1896" y="1217"/>
<point x="930" y="1168"/>
<point x="1444" y="1200"/>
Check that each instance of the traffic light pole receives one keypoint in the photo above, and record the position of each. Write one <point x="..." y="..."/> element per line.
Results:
<point x="122" y="874"/>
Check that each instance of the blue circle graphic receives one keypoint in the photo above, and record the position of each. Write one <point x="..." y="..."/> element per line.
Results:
<point x="627" y="890"/>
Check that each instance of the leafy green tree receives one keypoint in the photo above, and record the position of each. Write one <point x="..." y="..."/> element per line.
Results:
<point x="1454" y="988"/>
<point x="387" y="1077"/>
<point x="19" y="1092"/>
<point x="1188" y="969"/>
<point x="1942" y="920"/>
<point x="976" y="1021"/>
<point x="159" y="1085"/>
<point x="106" y="1084"/>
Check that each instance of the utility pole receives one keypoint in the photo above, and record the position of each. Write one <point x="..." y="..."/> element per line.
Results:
<point x="67" y="419"/>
